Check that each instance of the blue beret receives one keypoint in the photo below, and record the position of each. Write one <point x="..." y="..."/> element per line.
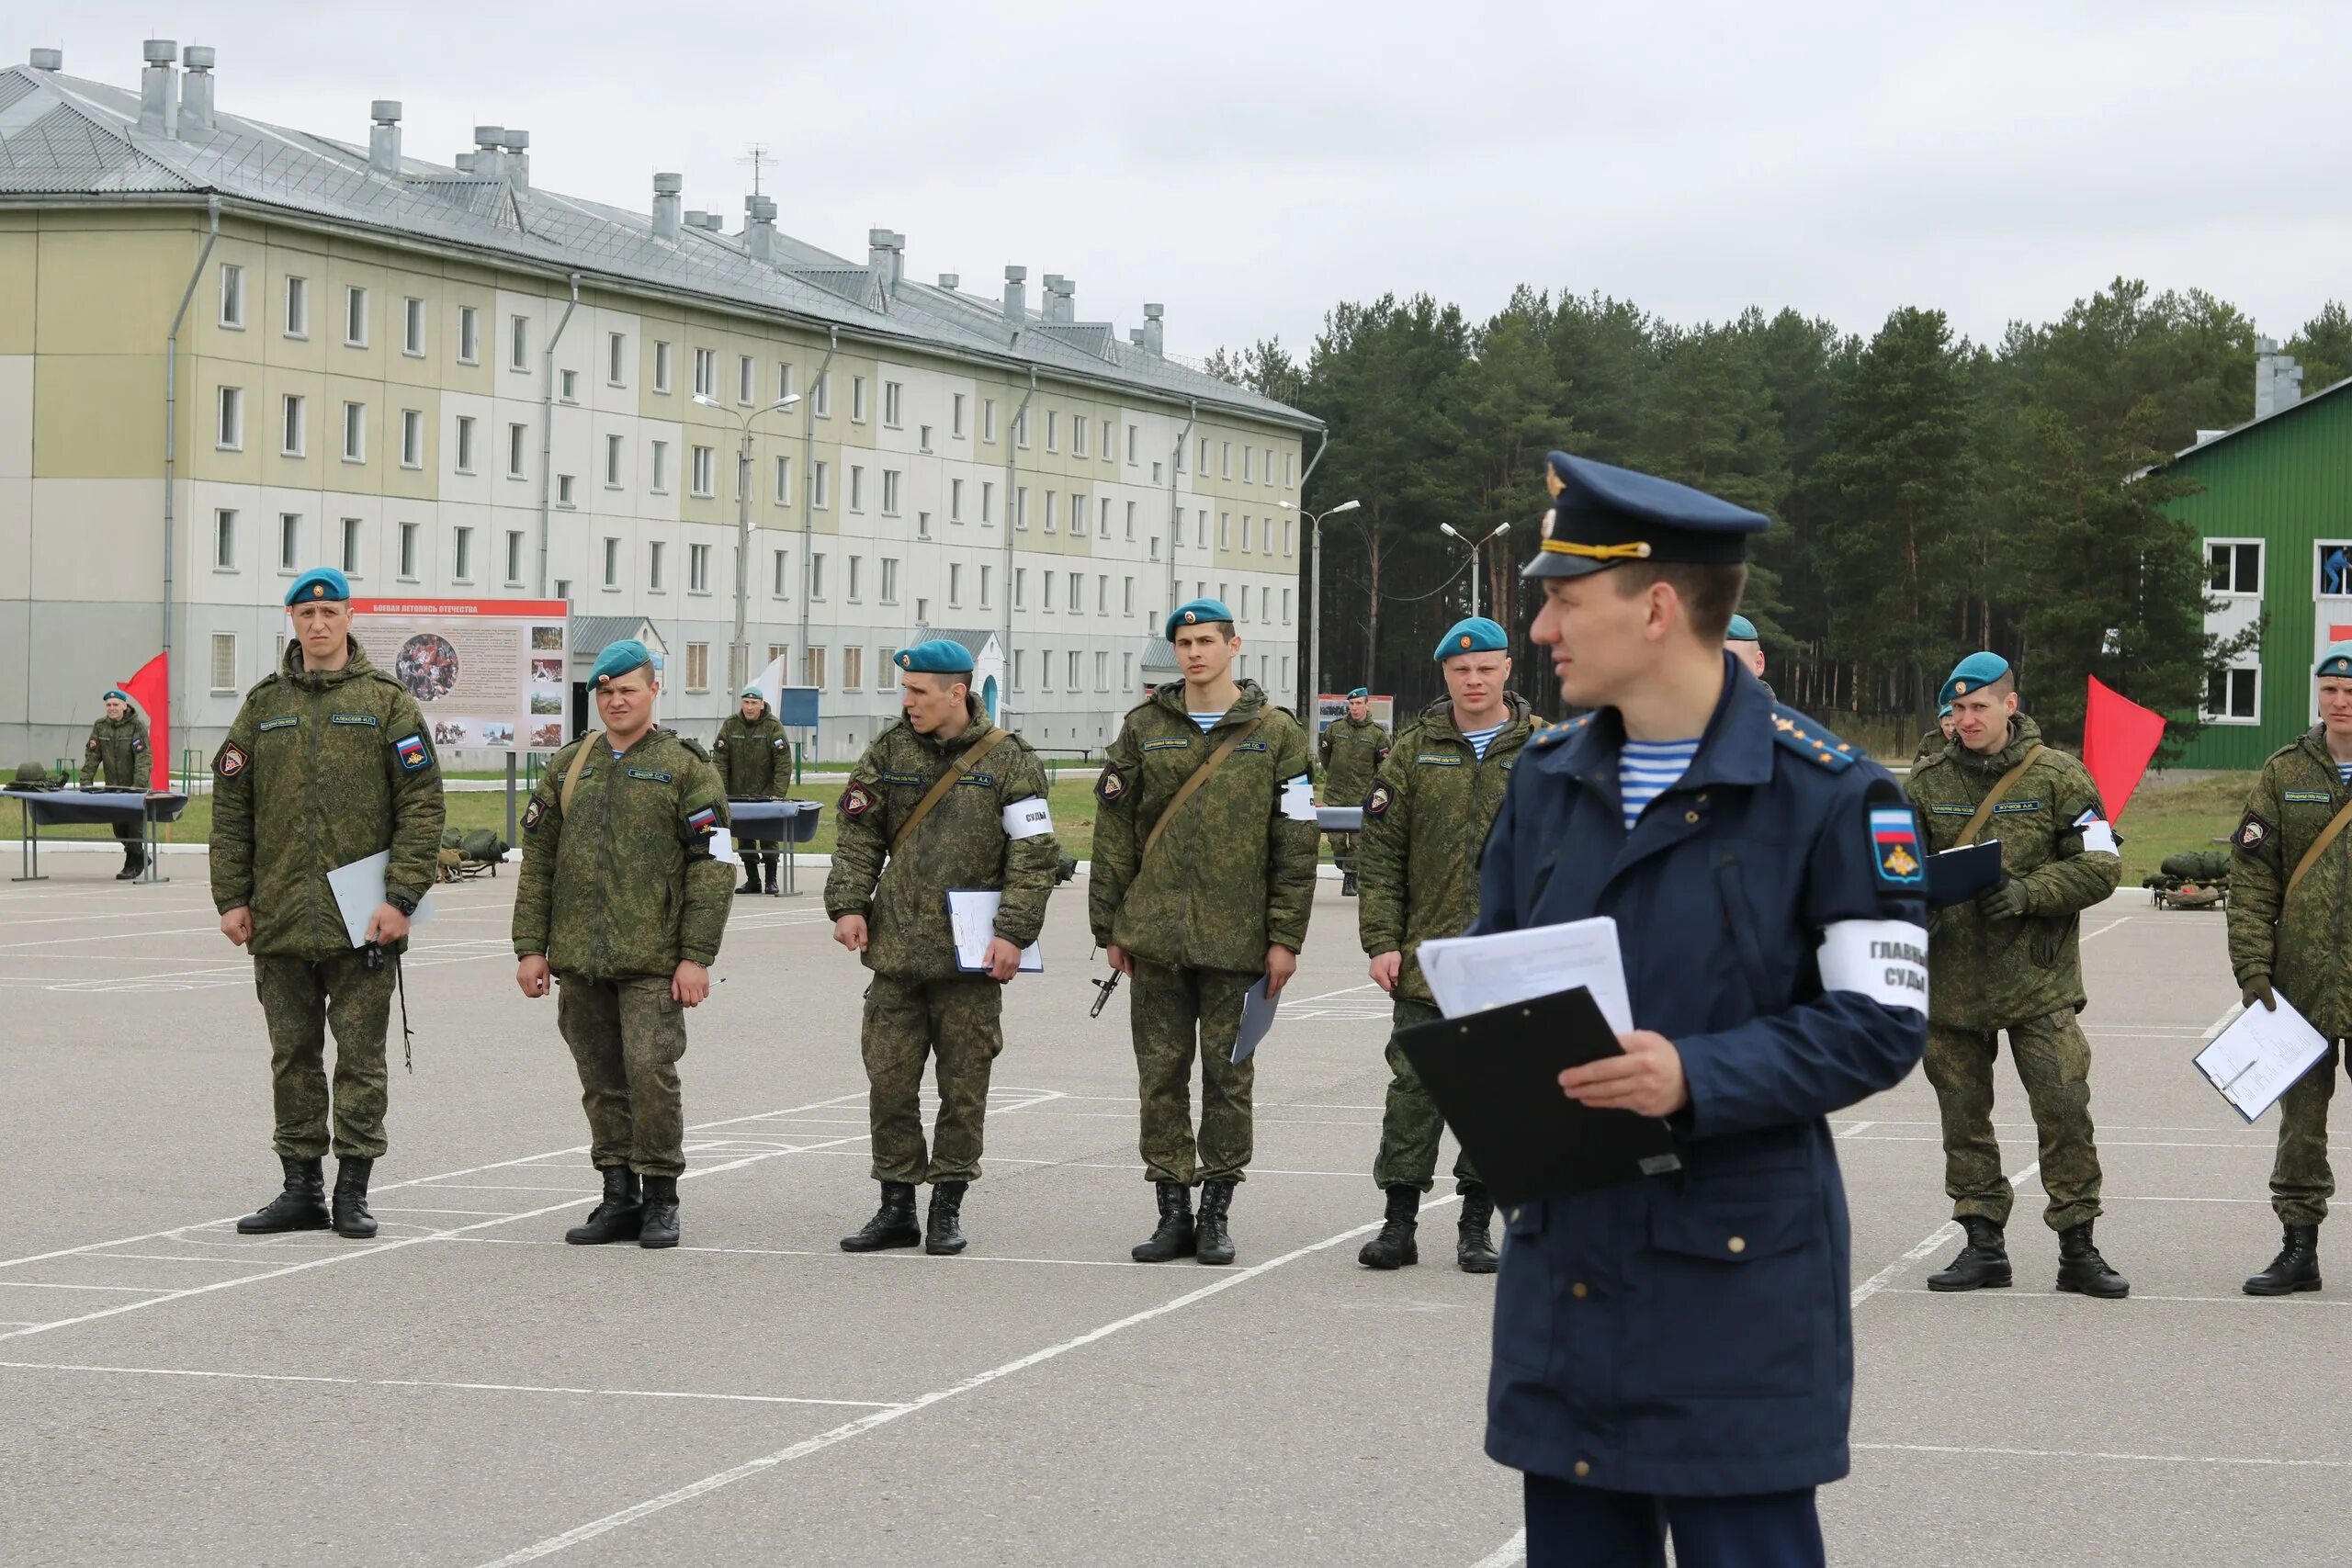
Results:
<point x="1943" y="711"/>
<point x="756" y="692"/>
<point x="1977" y="669"/>
<point x="1200" y="612"/>
<point x="1741" y="629"/>
<point x="1606" y="515"/>
<point x="2336" y="661"/>
<point x="1359" y="692"/>
<point x="117" y="695"/>
<point x="1476" y="635"/>
<point x="318" y="583"/>
<point x="940" y="656"/>
<point x="617" y="660"/>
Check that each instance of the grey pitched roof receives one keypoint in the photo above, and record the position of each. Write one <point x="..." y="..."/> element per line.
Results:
<point x="590" y="634"/>
<point x="62" y="136"/>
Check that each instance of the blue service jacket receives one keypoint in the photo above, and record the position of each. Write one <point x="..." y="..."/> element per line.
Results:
<point x="1691" y="1334"/>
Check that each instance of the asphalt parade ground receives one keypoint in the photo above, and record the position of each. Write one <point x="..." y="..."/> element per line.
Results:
<point x="466" y="1390"/>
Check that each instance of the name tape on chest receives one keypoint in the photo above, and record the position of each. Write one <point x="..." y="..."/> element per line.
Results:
<point x="1885" y="961"/>
<point x="653" y="775"/>
<point x="2293" y="796"/>
<point x="1298" y="799"/>
<point x="284" y="721"/>
<point x="1176" y="743"/>
<point x="2099" y="834"/>
<point x="1028" y="818"/>
<point x="1438" y="760"/>
<point x="354" y="718"/>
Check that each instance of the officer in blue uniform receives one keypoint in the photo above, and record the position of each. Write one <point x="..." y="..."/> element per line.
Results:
<point x="1674" y="1354"/>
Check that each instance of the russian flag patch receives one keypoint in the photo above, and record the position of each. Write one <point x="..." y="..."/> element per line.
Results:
<point x="411" y="753"/>
<point x="1894" y="847"/>
<point x="705" y="822"/>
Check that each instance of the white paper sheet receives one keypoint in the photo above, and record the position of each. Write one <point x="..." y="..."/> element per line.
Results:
<point x="358" y="891"/>
<point x="971" y="916"/>
<point x="1257" y="1018"/>
<point x="2258" y="1057"/>
<point x="1470" y="974"/>
<point x="722" y="846"/>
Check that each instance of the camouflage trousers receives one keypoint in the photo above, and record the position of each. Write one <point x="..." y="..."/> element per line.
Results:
<point x="625" y="1038"/>
<point x="2301" y="1181"/>
<point x="299" y="1000"/>
<point x="1343" y="849"/>
<point x="956" y="1023"/>
<point x="1176" y="1013"/>
<point x="1410" y="1126"/>
<point x="2053" y="1061"/>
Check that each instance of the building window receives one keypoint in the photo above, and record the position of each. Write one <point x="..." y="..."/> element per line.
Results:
<point x="1110" y="453"/>
<point x="743" y="378"/>
<point x="783" y="481"/>
<point x="853" y="668"/>
<point x="812" y="667"/>
<point x="1286" y="523"/>
<point x="697" y="667"/>
<point x="821" y="404"/>
<point x="1103" y="595"/>
<point x="1102" y="671"/>
<point x="613" y="446"/>
<point x="661" y="465"/>
<point x="413" y="327"/>
<point x="889" y="580"/>
<point x="1248" y="465"/>
<point x="706" y="471"/>
<point x="1224" y="460"/>
<point x="229" y="421"/>
<point x="697" y="568"/>
<point x="1019" y="587"/>
<point x="2334" y="573"/>
<point x="355" y="433"/>
<point x="1073" y="681"/>
<point x="857" y="487"/>
<point x="351" y="542"/>
<point x="1046" y="582"/>
<point x="465" y="443"/>
<point x="1131" y="525"/>
<point x="232" y="297"/>
<point x="955" y="585"/>
<point x="1051" y="509"/>
<point x="612" y="562"/>
<point x="408" y="552"/>
<point x="988" y="499"/>
<point x="291" y="436"/>
<point x="616" y="359"/>
<point x="706" y="373"/>
<point x="1021" y="507"/>
<point x="563" y="490"/>
<point x="298" y="307"/>
<point x="661" y="366"/>
<point x="955" y="416"/>
<point x="516" y="438"/>
<point x="1132" y="435"/>
<point x="290" y="540"/>
<point x="1076" y="600"/>
<point x="1020" y="670"/>
<point x="892" y="397"/>
<point x="461" y="555"/>
<point x="954" y="501"/>
<point x="224" y="661"/>
<point x="1225" y="530"/>
<point x="817" y="574"/>
<point x="1020" y="427"/>
<point x="412" y="438"/>
<point x="988" y="419"/>
<point x="224" y="540"/>
<point x="1046" y="668"/>
<point x="1286" y="607"/>
<point x="856" y="416"/>
<point x="1053" y="430"/>
<point x="468" y="335"/>
<point x="820" y="492"/>
<point x="987" y="574"/>
<point x="856" y="570"/>
<point x="2234" y="566"/>
<point x="568" y="381"/>
<point x="355" y="317"/>
<point x="889" y="492"/>
<point x="1126" y="671"/>
<point x="1078" y="436"/>
<point x="781" y="586"/>
<point x="783" y="380"/>
<point x="514" y="557"/>
<point x="518" y="349"/>
<point x="654" y="551"/>
<point x="2234" y="695"/>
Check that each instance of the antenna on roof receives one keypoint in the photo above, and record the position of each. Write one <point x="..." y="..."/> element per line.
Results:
<point x="759" y="157"/>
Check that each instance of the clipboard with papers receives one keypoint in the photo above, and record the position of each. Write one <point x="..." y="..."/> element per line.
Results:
<point x="971" y="920"/>
<point x="2259" y="1056"/>
<point x="1954" y="877"/>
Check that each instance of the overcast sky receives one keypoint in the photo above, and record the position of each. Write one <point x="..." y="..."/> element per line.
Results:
<point x="1250" y="164"/>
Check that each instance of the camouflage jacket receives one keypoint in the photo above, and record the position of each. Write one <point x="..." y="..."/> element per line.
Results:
<point x="1425" y="823"/>
<point x="1234" y="873"/>
<point x="967" y="842"/>
<point x="624" y="885"/>
<point x="1351" y="754"/>
<point x="1930" y="745"/>
<point x="116" y="751"/>
<point x="320" y="769"/>
<point x="750" y="757"/>
<point x="2301" y="944"/>
<point x="1988" y="973"/>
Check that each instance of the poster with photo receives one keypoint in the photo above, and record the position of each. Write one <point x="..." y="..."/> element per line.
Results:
<point x="484" y="671"/>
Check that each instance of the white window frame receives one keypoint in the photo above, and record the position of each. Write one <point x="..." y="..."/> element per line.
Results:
<point x="956" y="418"/>
<point x="224" y="538"/>
<point x="890" y="488"/>
<point x="233" y="297"/>
<point x="893" y="405"/>
<point x="612" y="563"/>
<point x="857" y="399"/>
<point x="463" y="458"/>
<point x="293" y="425"/>
<point x="461" y="554"/>
<point x="2261" y="567"/>
<point x="857" y="487"/>
<point x="354" y="545"/>
<point x="406" y="563"/>
<point x="229" y="419"/>
<point x="355" y="312"/>
<point x="703" y="477"/>
<point x="518" y="343"/>
<point x="355" y="431"/>
<point x="2248" y="663"/>
<point x="746" y="381"/>
<point x="298" y="309"/>
<point x="697" y="568"/>
<point x="821" y="487"/>
<point x="1077" y="428"/>
<point x="783" y="479"/>
<point x="290" y="541"/>
<point x="659" y="477"/>
<point x="616" y="360"/>
<point x="224" y="656"/>
<point x="616" y="448"/>
<point x="780" y="584"/>
<point x="469" y="334"/>
<point x="660" y="367"/>
<point x="654" y="553"/>
<point x="413" y="328"/>
<point x="412" y="438"/>
<point x="889" y="584"/>
<point x="518" y="449"/>
<point x="514" y="558"/>
<point x="706" y="373"/>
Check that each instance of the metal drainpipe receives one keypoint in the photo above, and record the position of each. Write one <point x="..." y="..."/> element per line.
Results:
<point x="171" y="435"/>
<point x="546" y="428"/>
<point x="1307" y="692"/>
<point x="808" y="484"/>
<point x="1176" y="513"/>
<point x="1011" y="512"/>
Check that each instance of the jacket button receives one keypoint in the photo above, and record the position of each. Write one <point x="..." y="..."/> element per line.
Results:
<point x="1577" y="1290"/>
<point x="1583" y="1469"/>
<point x="1737" y="1244"/>
<point x="1514" y="1216"/>
<point x="1690" y="816"/>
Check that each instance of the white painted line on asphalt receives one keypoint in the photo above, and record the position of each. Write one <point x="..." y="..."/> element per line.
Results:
<point x="436" y="1384"/>
<point x="2120" y="1458"/>
<point x="2102" y="930"/>
<point x="2028" y="1126"/>
<point x="864" y="1424"/>
<point x="1934" y="1241"/>
<point x="484" y="1214"/>
<point x="1857" y="1129"/>
<point x="1509" y="1554"/>
<point x="2275" y="1304"/>
<point x="902" y="1255"/>
<point x="150" y="1258"/>
<point x="508" y="1187"/>
<point x="45" y="1285"/>
<point x="2105" y="1143"/>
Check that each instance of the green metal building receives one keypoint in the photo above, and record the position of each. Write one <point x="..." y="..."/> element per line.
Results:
<point x="2275" y="513"/>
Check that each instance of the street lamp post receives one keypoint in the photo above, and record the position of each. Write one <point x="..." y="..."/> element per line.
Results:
<point x="1313" y="682"/>
<point x="739" y="653"/>
<point x="1450" y="532"/>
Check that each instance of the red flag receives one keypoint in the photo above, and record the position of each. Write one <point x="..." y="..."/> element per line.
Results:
<point x="152" y="691"/>
<point x="2119" y="736"/>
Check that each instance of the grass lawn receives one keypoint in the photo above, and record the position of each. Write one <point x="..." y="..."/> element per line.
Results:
<point x="2164" y="817"/>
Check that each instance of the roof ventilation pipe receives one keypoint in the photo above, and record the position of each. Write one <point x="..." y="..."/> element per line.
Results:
<point x="1016" y="296"/>
<point x="196" y="93"/>
<point x="483" y="159"/>
<point x="1061" y="299"/>
<point x="950" y="281"/>
<point x="48" y="60"/>
<point x="514" y="159"/>
<point x="1155" y="341"/>
<point x="384" y="137"/>
<point x="666" y="202"/>
<point x="759" y="228"/>
<point x="885" y="258"/>
<point x="159" y="87"/>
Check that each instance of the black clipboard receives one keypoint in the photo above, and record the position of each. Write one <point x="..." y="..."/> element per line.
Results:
<point x="1954" y="877"/>
<point x="1495" y="1076"/>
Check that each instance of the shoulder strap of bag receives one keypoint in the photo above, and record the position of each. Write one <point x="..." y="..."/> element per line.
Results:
<point x="1993" y="797"/>
<point x="1192" y="785"/>
<point x="2336" y="824"/>
<point x="979" y="749"/>
<point x="588" y="745"/>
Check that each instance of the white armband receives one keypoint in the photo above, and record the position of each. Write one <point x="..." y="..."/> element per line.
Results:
<point x="2099" y="834"/>
<point x="1298" y="799"/>
<point x="1884" y="960"/>
<point x="1027" y="819"/>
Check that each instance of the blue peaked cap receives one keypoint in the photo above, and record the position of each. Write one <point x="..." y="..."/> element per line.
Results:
<point x="2336" y="661"/>
<point x="1741" y="629"/>
<point x="1200" y="612"/>
<point x="1977" y="669"/>
<point x="1475" y="634"/>
<point x="1605" y="515"/>
<point x="319" y="583"/>
<point x="617" y="660"/>
<point x="940" y="656"/>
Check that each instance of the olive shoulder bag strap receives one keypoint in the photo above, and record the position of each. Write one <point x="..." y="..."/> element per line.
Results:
<point x="947" y="781"/>
<point x="1994" y="797"/>
<point x="588" y="746"/>
<point x="1192" y="785"/>
<point x="2336" y="824"/>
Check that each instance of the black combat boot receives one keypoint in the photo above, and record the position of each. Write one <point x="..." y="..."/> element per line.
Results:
<point x="658" y="1225"/>
<point x="134" y="861"/>
<point x="302" y="1207"/>
<point x="893" y="1223"/>
<point x="1347" y="885"/>
<point x="750" y="874"/>
<point x="2082" y="1269"/>
<point x="351" y="1216"/>
<point x="1175" y="1238"/>
<point x="1472" y="1248"/>
<point x="2295" y="1269"/>
<point x="944" y="1230"/>
<point x="1983" y="1263"/>
<point x="1393" y="1248"/>
<point x="618" y="1217"/>
<point x="1214" y="1242"/>
<point x="767" y="870"/>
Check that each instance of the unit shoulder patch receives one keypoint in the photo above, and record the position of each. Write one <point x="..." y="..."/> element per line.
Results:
<point x="1111" y="787"/>
<point x="1377" y="803"/>
<point x="856" y="801"/>
<point x="231" y="759"/>
<point x="414" y="756"/>
<point x="2253" y="831"/>
<point x="533" y="812"/>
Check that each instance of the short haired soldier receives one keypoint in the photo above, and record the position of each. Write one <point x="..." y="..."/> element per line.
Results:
<point x="1741" y="641"/>
<point x="1425" y="821"/>
<point x="752" y="746"/>
<point x="2290" y="886"/>
<point x="623" y="903"/>
<point x="116" y="751"/>
<point x="943" y="799"/>
<point x="1350" y="751"/>
<point x="1203" y="880"/>
<point x="2011" y="961"/>
<point x="326" y="763"/>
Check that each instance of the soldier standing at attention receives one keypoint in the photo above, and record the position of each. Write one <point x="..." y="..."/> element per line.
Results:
<point x="117" y="751"/>
<point x="942" y="800"/>
<point x="1424" y="825"/>
<point x="2289" y="890"/>
<point x="325" y="764"/>
<point x="621" y="902"/>
<point x="2012" y="961"/>
<point x="751" y="747"/>
<point x="1352" y="751"/>
<point x="1675" y="1353"/>
<point x="1204" y="879"/>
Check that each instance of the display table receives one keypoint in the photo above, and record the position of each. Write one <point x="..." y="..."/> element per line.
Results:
<point x="1339" y="818"/>
<point x="108" y="808"/>
<point x="770" y="824"/>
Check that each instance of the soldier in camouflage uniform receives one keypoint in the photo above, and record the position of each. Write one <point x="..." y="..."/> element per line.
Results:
<point x="2009" y="961"/>
<point x="117" y="750"/>
<point x="1932" y="744"/>
<point x="623" y="903"/>
<point x="1196" y="919"/>
<point x="1741" y="641"/>
<point x="1350" y="751"/>
<point x="888" y="903"/>
<point x="750" y="749"/>
<point x="326" y="763"/>
<point x="1425" y="823"/>
<point x="2299" y="942"/>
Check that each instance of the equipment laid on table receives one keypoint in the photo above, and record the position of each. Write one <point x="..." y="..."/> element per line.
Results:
<point x="764" y="824"/>
<point x="2190" y="879"/>
<point x="66" y="807"/>
<point x="468" y="852"/>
